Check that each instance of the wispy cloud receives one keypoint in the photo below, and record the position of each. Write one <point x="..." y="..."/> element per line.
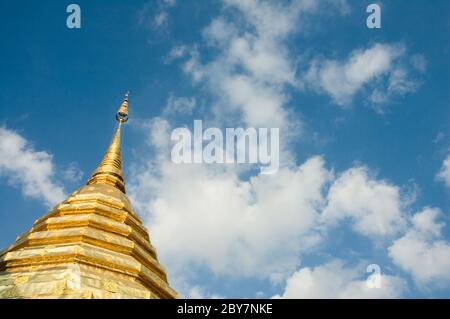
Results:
<point x="444" y="173"/>
<point x="261" y="226"/>
<point x="253" y="67"/>
<point x="177" y="105"/>
<point x="422" y="251"/>
<point x="30" y="170"/>
<point x="156" y="15"/>
<point x="373" y="207"/>
<point x="334" y="280"/>
<point x="382" y="72"/>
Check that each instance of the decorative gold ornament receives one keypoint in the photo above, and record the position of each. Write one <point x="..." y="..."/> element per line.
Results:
<point x="122" y="113"/>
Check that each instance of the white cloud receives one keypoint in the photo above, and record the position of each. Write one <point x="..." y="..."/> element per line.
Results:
<point x="157" y="19"/>
<point x="374" y="207"/>
<point x="31" y="170"/>
<point x="422" y="252"/>
<point x="381" y="69"/>
<point x="341" y="79"/>
<point x="175" y="53"/>
<point x="160" y="19"/>
<point x="444" y="173"/>
<point x="191" y="290"/>
<point x="208" y="216"/>
<point x="198" y="292"/>
<point x="333" y="280"/>
<point x="158" y="133"/>
<point x="439" y="137"/>
<point x="419" y="62"/>
<point x="400" y="83"/>
<point x="72" y="173"/>
<point x="253" y="68"/>
<point x="169" y="3"/>
<point x="257" y="227"/>
<point x="261" y="227"/>
<point x="179" y="105"/>
<point x="425" y="222"/>
<point x="234" y="227"/>
<point x="251" y="71"/>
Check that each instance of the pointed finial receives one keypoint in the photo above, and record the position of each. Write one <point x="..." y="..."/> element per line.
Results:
<point x="110" y="169"/>
<point x="122" y="113"/>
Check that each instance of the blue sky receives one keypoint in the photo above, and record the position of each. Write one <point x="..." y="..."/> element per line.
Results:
<point x="363" y="116"/>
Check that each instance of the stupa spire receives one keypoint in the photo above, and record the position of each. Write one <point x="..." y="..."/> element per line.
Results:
<point x="110" y="169"/>
<point x="91" y="245"/>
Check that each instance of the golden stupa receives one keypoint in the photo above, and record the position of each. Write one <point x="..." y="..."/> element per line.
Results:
<point x="92" y="245"/>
